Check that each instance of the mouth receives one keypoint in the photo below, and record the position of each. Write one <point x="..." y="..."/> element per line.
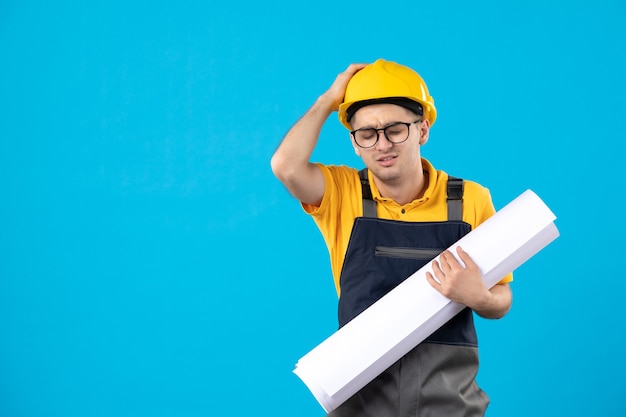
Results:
<point x="386" y="160"/>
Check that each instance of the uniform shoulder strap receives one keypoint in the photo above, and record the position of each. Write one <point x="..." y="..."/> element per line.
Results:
<point x="455" y="198"/>
<point x="369" y="205"/>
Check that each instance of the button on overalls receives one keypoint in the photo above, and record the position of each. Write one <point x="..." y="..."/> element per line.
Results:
<point x="436" y="378"/>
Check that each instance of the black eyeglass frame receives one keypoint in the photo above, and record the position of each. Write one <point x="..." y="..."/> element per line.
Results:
<point x="384" y="130"/>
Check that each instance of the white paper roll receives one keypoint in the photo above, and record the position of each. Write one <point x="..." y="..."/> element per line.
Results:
<point x="358" y="352"/>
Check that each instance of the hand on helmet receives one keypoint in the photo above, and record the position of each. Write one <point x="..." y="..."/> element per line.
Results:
<point x="337" y="90"/>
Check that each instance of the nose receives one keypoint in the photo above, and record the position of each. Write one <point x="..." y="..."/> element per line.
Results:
<point x="382" y="142"/>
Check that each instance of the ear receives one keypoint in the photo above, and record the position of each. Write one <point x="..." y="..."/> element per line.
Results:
<point x="424" y="131"/>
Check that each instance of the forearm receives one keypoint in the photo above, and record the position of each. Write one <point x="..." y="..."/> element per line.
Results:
<point x="294" y="152"/>
<point x="497" y="304"/>
<point x="291" y="162"/>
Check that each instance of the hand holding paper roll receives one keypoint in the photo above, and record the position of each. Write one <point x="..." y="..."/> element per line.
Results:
<point x="460" y="280"/>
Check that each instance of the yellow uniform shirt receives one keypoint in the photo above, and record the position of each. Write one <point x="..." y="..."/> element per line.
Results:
<point x="342" y="203"/>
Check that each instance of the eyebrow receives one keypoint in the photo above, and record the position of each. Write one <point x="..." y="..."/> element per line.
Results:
<point x="384" y="127"/>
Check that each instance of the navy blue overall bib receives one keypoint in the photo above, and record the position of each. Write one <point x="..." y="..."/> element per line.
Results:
<point x="437" y="378"/>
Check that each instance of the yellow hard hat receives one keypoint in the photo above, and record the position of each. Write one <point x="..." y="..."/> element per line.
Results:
<point x="384" y="80"/>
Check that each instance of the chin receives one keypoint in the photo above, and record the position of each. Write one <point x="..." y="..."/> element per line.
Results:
<point x="388" y="175"/>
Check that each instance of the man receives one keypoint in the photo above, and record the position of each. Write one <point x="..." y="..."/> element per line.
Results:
<point x="385" y="222"/>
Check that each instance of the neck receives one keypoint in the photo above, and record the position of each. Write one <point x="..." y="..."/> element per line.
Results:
<point x="403" y="191"/>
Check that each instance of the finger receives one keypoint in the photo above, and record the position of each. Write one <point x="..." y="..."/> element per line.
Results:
<point x="350" y="71"/>
<point x="353" y="68"/>
<point x="447" y="260"/>
<point x="433" y="282"/>
<point x="467" y="260"/>
<point x="437" y="269"/>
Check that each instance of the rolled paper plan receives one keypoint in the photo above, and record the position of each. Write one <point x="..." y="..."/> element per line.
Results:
<point x="362" y="349"/>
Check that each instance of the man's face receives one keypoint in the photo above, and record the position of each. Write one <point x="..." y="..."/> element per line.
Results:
<point x="391" y="162"/>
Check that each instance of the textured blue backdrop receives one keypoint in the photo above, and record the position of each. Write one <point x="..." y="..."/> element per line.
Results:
<point x="150" y="265"/>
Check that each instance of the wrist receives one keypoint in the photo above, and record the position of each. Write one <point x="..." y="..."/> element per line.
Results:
<point x="486" y="302"/>
<point x="327" y="103"/>
<point x="497" y="304"/>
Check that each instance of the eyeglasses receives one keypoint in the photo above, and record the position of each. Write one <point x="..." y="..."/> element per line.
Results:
<point x="397" y="132"/>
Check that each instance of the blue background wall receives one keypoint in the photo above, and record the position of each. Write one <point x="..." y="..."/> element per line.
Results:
<point x="150" y="264"/>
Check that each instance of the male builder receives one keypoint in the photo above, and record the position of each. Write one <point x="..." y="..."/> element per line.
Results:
<point x="383" y="223"/>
